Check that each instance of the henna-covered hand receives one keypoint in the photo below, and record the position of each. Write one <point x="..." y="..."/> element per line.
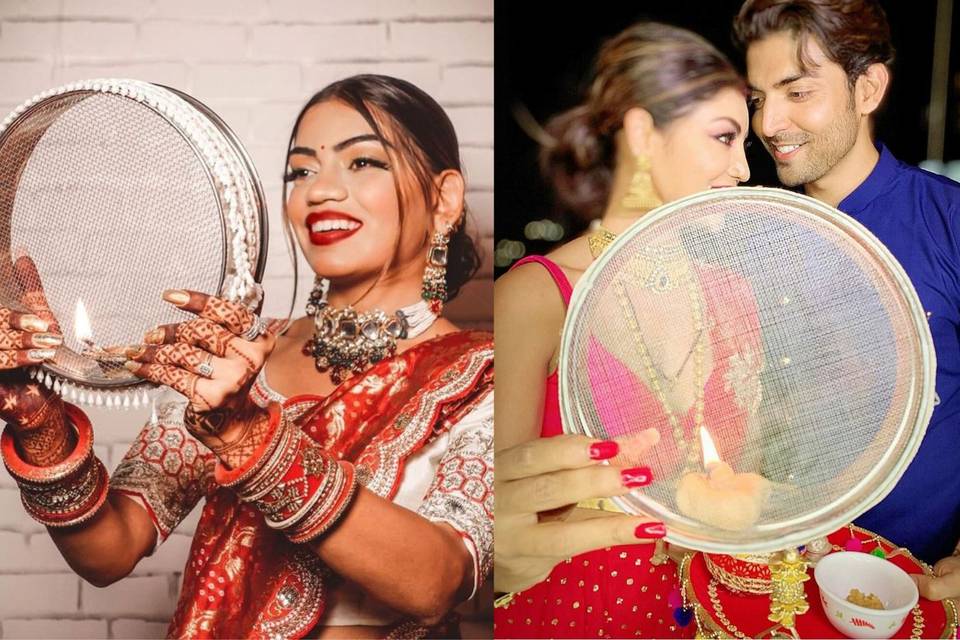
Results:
<point x="38" y="419"/>
<point x="24" y="340"/>
<point x="232" y="432"/>
<point x="207" y="361"/>
<point x="31" y="337"/>
<point x="32" y="295"/>
<point x="199" y="332"/>
<point x="35" y="413"/>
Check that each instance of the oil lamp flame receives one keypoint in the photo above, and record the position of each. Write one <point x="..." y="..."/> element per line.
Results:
<point x="81" y="324"/>
<point x="710" y="455"/>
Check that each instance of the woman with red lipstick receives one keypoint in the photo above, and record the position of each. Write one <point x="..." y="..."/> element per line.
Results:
<point x="665" y="117"/>
<point x="347" y="462"/>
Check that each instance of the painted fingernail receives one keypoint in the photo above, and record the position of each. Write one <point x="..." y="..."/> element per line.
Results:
<point x="636" y="477"/>
<point x="47" y="340"/>
<point x="603" y="450"/>
<point x="134" y="351"/>
<point x="34" y="323"/>
<point x="650" y="530"/>
<point x="154" y="336"/>
<point x="41" y="354"/>
<point x="176" y="296"/>
<point x="132" y="366"/>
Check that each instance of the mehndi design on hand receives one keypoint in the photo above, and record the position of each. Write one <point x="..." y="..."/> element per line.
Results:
<point x="37" y="417"/>
<point x="249" y="423"/>
<point x="180" y="355"/>
<point x="198" y="332"/>
<point x="233" y="316"/>
<point x="204" y="359"/>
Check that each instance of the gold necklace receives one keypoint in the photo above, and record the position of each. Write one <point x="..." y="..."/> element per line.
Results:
<point x="600" y="239"/>
<point x="671" y="381"/>
<point x="661" y="268"/>
<point x="692" y="454"/>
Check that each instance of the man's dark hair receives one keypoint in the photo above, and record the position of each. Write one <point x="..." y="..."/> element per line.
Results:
<point x="852" y="33"/>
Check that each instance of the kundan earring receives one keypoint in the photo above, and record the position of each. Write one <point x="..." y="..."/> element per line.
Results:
<point x="435" y="275"/>
<point x="318" y="295"/>
<point x="641" y="194"/>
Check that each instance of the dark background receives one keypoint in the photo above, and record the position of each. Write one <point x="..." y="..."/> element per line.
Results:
<point x="544" y="55"/>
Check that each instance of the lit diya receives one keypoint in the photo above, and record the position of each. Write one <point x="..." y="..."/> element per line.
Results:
<point x="90" y="349"/>
<point x="721" y="497"/>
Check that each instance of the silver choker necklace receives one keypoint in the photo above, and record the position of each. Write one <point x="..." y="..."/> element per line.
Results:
<point x="346" y="342"/>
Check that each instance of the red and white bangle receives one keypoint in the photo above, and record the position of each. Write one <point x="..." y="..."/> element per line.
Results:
<point x="300" y="488"/>
<point x="64" y="494"/>
<point x="341" y="487"/>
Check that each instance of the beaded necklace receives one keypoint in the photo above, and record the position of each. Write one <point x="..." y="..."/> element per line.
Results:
<point x="691" y="454"/>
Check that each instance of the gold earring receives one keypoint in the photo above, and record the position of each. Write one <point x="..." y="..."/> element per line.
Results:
<point x="641" y="194"/>
<point x="435" y="275"/>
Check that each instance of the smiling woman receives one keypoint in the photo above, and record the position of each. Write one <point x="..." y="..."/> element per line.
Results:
<point x="665" y="117"/>
<point x="346" y="458"/>
<point x="375" y="379"/>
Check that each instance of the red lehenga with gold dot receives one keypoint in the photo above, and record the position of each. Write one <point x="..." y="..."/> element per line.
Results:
<point x="617" y="592"/>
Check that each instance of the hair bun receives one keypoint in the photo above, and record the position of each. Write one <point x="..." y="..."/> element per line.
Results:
<point x="578" y="162"/>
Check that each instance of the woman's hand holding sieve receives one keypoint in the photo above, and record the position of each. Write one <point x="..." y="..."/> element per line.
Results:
<point x="211" y="360"/>
<point x="550" y="473"/>
<point x="28" y="338"/>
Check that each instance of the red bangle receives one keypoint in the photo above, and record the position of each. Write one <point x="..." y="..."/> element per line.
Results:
<point x="66" y="493"/>
<point x="68" y="504"/>
<point x="300" y="488"/>
<point x="27" y="472"/>
<point x="329" y="512"/>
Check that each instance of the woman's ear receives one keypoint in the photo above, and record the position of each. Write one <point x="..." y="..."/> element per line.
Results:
<point x="638" y="128"/>
<point x="450" y="199"/>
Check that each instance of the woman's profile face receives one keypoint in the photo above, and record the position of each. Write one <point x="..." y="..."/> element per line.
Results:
<point x="702" y="149"/>
<point x="342" y="199"/>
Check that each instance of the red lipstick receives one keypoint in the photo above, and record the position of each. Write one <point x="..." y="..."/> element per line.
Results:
<point x="328" y="227"/>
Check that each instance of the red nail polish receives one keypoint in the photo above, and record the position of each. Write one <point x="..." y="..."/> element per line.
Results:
<point x="636" y="477"/>
<point x="650" y="530"/>
<point x="604" y="450"/>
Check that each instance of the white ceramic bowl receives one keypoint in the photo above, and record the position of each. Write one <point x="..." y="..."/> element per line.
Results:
<point x="837" y="573"/>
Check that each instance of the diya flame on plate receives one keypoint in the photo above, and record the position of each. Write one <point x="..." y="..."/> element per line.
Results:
<point x="83" y="332"/>
<point x="721" y="497"/>
<point x="81" y="326"/>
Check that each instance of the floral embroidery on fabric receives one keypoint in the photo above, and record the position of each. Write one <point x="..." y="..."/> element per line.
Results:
<point x="384" y="457"/>
<point x="462" y="492"/>
<point x="743" y="378"/>
<point x="335" y="415"/>
<point x="166" y="468"/>
<point x="297" y="601"/>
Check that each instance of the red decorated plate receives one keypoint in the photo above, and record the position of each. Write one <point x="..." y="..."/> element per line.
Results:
<point x="721" y="613"/>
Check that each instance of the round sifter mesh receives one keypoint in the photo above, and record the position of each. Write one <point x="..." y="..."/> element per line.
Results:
<point x="778" y="349"/>
<point x="117" y="190"/>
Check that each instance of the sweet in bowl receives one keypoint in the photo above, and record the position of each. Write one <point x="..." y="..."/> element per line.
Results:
<point x="838" y="574"/>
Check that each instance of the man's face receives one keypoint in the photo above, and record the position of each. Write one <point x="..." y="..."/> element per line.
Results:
<point x="806" y="118"/>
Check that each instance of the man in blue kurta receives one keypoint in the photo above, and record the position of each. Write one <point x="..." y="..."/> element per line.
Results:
<point x="818" y="70"/>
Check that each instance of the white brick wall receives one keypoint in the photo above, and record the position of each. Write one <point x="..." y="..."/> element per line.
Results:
<point x="254" y="62"/>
